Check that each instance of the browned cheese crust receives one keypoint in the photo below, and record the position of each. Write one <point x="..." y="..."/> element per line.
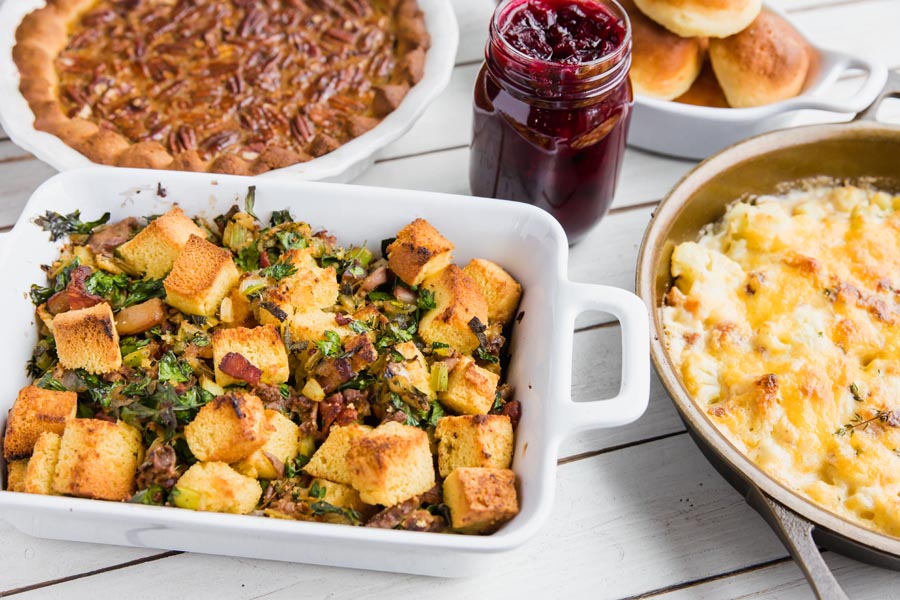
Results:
<point x="225" y="87"/>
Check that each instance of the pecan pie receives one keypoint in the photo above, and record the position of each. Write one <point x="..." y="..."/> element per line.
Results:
<point x="228" y="86"/>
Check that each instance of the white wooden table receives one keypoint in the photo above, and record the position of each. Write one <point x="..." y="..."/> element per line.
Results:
<point x="638" y="510"/>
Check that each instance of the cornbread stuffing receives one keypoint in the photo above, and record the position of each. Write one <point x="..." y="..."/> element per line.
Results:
<point x="255" y="366"/>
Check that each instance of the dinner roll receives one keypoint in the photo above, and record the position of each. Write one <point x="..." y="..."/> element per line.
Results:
<point x="765" y="63"/>
<point x="705" y="91"/>
<point x="663" y="65"/>
<point x="701" y="18"/>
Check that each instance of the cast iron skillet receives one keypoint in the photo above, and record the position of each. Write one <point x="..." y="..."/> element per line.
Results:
<point x="861" y="151"/>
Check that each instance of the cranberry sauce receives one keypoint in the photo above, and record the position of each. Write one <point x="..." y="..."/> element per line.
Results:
<point x="563" y="31"/>
<point x="552" y="107"/>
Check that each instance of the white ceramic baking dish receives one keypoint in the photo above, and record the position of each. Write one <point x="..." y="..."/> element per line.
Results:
<point x="696" y="132"/>
<point x="524" y="239"/>
<point x="343" y="164"/>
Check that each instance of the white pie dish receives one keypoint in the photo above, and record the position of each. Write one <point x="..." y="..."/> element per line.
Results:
<point x="522" y="238"/>
<point x="341" y="165"/>
<point x="696" y="132"/>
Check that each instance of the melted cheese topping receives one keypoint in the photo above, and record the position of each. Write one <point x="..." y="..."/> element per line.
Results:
<point x="784" y="323"/>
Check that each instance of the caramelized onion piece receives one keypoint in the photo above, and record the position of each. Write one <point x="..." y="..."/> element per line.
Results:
<point x="140" y="317"/>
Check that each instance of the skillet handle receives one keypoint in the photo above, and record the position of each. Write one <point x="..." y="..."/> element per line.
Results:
<point x="891" y="89"/>
<point x="634" y="393"/>
<point x="795" y="533"/>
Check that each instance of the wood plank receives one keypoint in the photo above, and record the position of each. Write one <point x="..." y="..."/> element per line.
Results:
<point x="635" y="520"/>
<point x="27" y="560"/>
<point x="785" y="582"/>
<point x="20" y="179"/>
<point x="645" y="176"/>
<point x="473" y="16"/>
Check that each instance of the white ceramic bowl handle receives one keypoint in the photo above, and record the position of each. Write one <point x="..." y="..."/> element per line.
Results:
<point x="631" y="401"/>
<point x="875" y="74"/>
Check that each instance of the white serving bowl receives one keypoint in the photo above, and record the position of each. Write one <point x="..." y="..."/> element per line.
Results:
<point x="522" y="238"/>
<point x="341" y="165"/>
<point x="696" y="132"/>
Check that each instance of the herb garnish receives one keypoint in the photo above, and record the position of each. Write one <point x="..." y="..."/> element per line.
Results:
<point x="888" y="417"/>
<point x="280" y="216"/>
<point x="330" y="347"/>
<point x="279" y="271"/>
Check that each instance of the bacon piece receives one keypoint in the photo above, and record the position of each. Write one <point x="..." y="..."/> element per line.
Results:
<point x="74" y="297"/>
<point x="235" y="365"/>
<point x="332" y="372"/>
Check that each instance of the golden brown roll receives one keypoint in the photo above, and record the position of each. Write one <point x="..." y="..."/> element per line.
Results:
<point x="765" y="63"/>
<point x="663" y="65"/>
<point x="701" y="18"/>
<point x="706" y="90"/>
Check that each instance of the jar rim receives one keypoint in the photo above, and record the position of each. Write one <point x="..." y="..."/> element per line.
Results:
<point x="621" y="49"/>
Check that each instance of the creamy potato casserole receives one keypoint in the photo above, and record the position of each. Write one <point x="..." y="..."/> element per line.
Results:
<point x="783" y="324"/>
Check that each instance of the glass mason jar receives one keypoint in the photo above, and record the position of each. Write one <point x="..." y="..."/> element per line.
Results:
<point x="552" y="133"/>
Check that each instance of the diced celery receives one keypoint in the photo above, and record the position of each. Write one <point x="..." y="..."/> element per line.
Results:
<point x="184" y="497"/>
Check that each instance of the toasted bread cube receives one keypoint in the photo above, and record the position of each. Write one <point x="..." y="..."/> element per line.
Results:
<point x="480" y="499"/>
<point x="474" y="441"/>
<point x="87" y="339"/>
<point x="311" y="325"/>
<point x="35" y="411"/>
<point x="283" y="446"/>
<point x="201" y="277"/>
<point x="16" y="471"/>
<point x="261" y="346"/>
<point x="153" y="251"/>
<point x="418" y="252"/>
<point x="330" y="460"/>
<point x="470" y="388"/>
<point x="458" y="300"/>
<point x="42" y="464"/>
<point x="216" y="487"/>
<point x="414" y="371"/>
<point x="499" y="289"/>
<point x="228" y="429"/>
<point x="98" y="459"/>
<point x="391" y="464"/>
<point x="310" y="287"/>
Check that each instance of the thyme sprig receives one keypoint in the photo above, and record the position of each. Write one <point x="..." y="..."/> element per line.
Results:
<point x="888" y="417"/>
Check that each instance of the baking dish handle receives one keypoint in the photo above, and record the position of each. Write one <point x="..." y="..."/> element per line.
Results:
<point x="891" y="90"/>
<point x="795" y="533"/>
<point x="634" y="391"/>
<point x="875" y="74"/>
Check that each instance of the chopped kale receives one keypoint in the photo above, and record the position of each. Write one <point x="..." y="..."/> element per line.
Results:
<point x="61" y="225"/>
<point x="172" y="369"/>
